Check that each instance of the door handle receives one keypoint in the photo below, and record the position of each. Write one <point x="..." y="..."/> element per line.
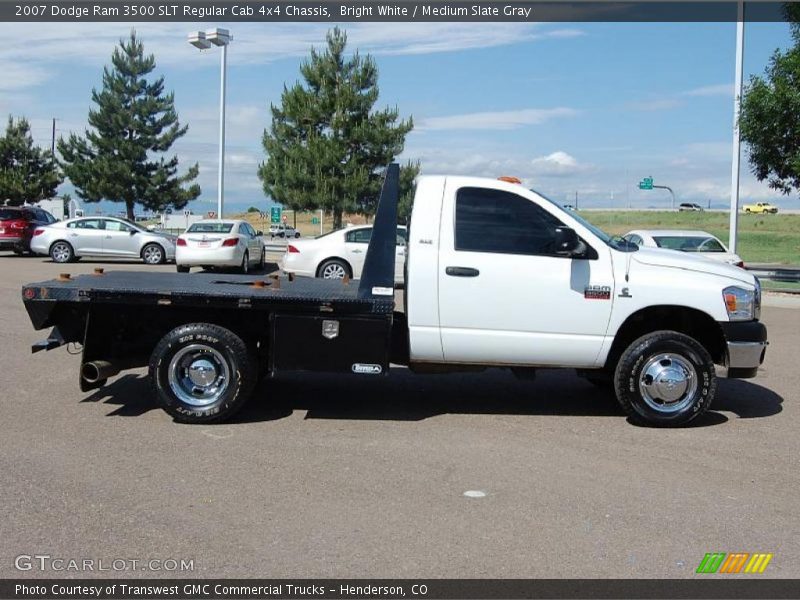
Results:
<point x="357" y="251"/>
<point x="462" y="272"/>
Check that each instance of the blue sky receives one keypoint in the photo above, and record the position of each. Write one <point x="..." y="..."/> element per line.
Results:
<point x="583" y="107"/>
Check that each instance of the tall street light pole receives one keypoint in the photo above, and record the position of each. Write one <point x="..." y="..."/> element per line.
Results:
<point x="737" y="104"/>
<point x="204" y="41"/>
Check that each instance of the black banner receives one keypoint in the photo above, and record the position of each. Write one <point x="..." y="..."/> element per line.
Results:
<point x="432" y="589"/>
<point x="387" y="11"/>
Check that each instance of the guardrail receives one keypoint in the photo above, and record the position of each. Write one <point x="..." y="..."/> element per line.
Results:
<point x="776" y="274"/>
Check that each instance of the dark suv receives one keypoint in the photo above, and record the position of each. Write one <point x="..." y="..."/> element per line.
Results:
<point x="17" y="224"/>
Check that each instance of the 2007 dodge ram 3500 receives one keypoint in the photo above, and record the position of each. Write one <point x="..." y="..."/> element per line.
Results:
<point x="496" y="276"/>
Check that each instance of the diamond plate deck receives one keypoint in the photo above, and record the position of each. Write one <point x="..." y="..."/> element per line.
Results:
<point x="208" y="290"/>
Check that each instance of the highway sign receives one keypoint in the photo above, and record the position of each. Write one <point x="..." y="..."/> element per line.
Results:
<point x="275" y="214"/>
<point x="646" y="183"/>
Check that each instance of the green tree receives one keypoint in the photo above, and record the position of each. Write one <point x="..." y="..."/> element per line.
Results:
<point x="326" y="146"/>
<point x="770" y="116"/>
<point x="408" y="174"/>
<point x="121" y="158"/>
<point x="27" y="173"/>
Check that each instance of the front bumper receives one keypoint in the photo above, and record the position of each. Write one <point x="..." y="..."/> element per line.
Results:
<point x="746" y="347"/>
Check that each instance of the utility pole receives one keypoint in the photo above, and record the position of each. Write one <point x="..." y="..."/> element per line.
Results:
<point x="737" y="104"/>
<point x="576" y="200"/>
<point x="53" y="139"/>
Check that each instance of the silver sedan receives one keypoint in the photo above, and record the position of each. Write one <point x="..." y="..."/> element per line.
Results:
<point x="102" y="237"/>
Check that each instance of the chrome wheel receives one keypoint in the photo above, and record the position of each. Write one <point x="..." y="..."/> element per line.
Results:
<point x="668" y="383"/>
<point x="198" y="375"/>
<point x="61" y="252"/>
<point x="333" y="271"/>
<point x="153" y="254"/>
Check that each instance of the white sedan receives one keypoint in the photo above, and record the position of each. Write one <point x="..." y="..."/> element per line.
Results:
<point x="339" y="253"/>
<point x="220" y="243"/>
<point x="701" y="242"/>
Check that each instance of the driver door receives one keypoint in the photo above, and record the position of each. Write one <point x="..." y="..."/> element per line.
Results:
<point x="505" y="296"/>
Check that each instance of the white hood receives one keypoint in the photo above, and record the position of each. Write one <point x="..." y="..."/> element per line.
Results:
<point x="661" y="257"/>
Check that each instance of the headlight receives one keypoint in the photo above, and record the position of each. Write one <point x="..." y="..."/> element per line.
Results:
<point x="757" y="306"/>
<point x="740" y="303"/>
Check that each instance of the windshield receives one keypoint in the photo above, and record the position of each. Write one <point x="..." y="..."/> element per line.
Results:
<point x="686" y="243"/>
<point x="615" y="241"/>
<point x="210" y="228"/>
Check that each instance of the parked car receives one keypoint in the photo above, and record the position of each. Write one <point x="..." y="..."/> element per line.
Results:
<point x="220" y="243"/>
<point x="283" y="231"/>
<point x="106" y="237"/>
<point x="690" y="207"/>
<point x="685" y="241"/>
<point x="17" y="225"/>
<point x="339" y="253"/>
<point x="760" y="208"/>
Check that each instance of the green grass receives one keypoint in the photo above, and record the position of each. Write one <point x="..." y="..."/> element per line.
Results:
<point x="762" y="238"/>
<point x="780" y="285"/>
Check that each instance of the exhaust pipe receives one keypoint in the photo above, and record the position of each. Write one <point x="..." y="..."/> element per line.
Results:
<point x="98" y="370"/>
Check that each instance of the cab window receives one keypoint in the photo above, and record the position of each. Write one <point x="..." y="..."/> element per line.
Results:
<point x="496" y="221"/>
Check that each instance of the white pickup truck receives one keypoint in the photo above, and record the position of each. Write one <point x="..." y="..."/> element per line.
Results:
<point x="496" y="276"/>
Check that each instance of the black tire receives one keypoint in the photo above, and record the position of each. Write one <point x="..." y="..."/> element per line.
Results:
<point x="651" y="366"/>
<point x="333" y="268"/>
<point x="245" y="266"/>
<point x="153" y="254"/>
<point x="62" y="252"/>
<point x="203" y="346"/>
<point x="296" y="234"/>
<point x="182" y="269"/>
<point x="262" y="264"/>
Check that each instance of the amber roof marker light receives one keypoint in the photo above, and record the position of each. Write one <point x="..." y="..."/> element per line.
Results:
<point x="510" y="179"/>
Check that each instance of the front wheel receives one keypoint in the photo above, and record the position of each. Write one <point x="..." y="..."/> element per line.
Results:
<point x="202" y="373"/>
<point x="245" y="267"/>
<point x="262" y="263"/>
<point x="665" y="379"/>
<point x="182" y="269"/>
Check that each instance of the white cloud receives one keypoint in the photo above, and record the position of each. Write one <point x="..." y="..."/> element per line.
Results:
<point x="31" y="48"/>
<point x="722" y="89"/>
<point x="499" y="120"/>
<point x="558" y="164"/>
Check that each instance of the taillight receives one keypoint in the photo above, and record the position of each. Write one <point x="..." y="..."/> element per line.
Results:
<point x="38" y="231"/>
<point x="230" y="242"/>
<point x="17" y="225"/>
<point x="292" y="249"/>
<point x="181" y="242"/>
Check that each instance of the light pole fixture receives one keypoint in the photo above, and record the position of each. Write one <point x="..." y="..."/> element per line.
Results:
<point x="203" y="41"/>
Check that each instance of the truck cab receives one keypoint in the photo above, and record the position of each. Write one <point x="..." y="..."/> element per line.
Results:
<point x="500" y="275"/>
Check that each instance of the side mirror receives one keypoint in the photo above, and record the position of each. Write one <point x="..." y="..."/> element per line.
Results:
<point x="259" y="233"/>
<point x="133" y="232"/>
<point x="567" y="242"/>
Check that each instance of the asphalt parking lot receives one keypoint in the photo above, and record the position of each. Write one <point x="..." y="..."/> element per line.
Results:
<point x="346" y="477"/>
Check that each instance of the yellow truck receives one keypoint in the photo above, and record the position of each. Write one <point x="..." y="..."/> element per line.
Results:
<point x="760" y="208"/>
